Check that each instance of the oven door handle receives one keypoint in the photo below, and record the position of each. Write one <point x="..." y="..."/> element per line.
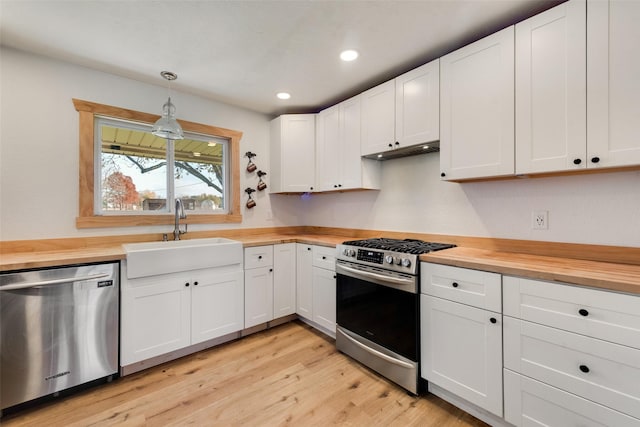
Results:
<point x="379" y="354"/>
<point x="397" y="280"/>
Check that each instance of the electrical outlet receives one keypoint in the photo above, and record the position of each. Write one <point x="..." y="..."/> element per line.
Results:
<point x="540" y="220"/>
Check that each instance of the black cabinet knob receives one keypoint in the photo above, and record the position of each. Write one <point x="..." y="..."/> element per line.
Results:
<point x="397" y="143"/>
<point x="335" y="186"/>
<point x="493" y="320"/>
<point x="595" y="159"/>
<point x="454" y="284"/>
<point x="324" y="257"/>
<point x="259" y="256"/>
<point x="390" y="145"/>
<point x="584" y="368"/>
<point x="271" y="270"/>
<point x="195" y="283"/>
<point x="339" y="185"/>
<point x="442" y="174"/>
<point x="308" y="249"/>
<point x="577" y="161"/>
<point x="583" y="312"/>
<point x="187" y="284"/>
<point x="311" y="188"/>
<point x="334" y="276"/>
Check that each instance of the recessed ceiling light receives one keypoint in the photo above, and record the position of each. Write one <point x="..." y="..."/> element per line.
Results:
<point x="283" y="95"/>
<point x="349" y="55"/>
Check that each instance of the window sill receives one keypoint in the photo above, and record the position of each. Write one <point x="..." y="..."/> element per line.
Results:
<point x="146" y="220"/>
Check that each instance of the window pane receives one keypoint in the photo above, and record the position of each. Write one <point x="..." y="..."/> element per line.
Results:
<point x="133" y="169"/>
<point x="200" y="173"/>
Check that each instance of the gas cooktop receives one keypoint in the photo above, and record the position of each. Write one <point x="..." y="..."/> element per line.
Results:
<point x="389" y="254"/>
<point x="408" y="246"/>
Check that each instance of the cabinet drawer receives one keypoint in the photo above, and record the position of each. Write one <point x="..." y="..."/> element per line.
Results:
<point x="606" y="315"/>
<point x="258" y="256"/>
<point x="530" y="402"/>
<point x="324" y="257"/>
<point x="597" y="370"/>
<point x="472" y="287"/>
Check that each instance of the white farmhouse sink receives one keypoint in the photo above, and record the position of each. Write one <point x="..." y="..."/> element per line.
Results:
<point x="153" y="258"/>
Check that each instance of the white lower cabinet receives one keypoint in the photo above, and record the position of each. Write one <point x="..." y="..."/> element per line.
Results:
<point x="571" y="355"/>
<point x="528" y="402"/>
<point x="161" y="314"/>
<point x="316" y="286"/>
<point x="304" y="281"/>
<point x="462" y="351"/>
<point x="269" y="283"/>
<point x="461" y="341"/>
<point x="324" y="298"/>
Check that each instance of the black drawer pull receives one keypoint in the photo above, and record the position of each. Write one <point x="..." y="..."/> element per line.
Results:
<point x="270" y="270"/>
<point x="493" y="320"/>
<point x="454" y="284"/>
<point x="577" y="161"/>
<point x="324" y="257"/>
<point x="595" y="159"/>
<point x="583" y="312"/>
<point x="308" y="249"/>
<point x="442" y="174"/>
<point x="335" y="277"/>
<point x="195" y="283"/>
<point x="584" y="368"/>
<point x="187" y="284"/>
<point x="259" y="256"/>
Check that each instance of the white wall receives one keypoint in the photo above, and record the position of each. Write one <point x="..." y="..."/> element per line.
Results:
<point x="594" y="209"/>
<point x="39" y="144"/>
<point x="39" y="173"/>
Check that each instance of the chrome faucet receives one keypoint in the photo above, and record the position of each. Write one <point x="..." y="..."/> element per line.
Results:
<point x="179" y="215"/>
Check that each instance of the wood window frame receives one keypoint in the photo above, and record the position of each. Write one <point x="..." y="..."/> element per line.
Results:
<point x="87" y="217"/>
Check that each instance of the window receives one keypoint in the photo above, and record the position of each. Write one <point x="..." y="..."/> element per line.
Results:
<point x="127" y="175"/>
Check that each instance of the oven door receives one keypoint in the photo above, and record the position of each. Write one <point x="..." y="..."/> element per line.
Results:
<point x="382" y="310"/>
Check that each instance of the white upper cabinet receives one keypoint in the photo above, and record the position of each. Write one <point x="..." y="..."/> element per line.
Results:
<point x="418" y="105"/>
<point x="338" y="162"/>
<point x="477" y="109"/>
<point x="402" y="112"/>
<point x="292" y="152"/>
<point x="378" y="118"/>
<point x="550" y="90"/>
<point x="613" y="83"/>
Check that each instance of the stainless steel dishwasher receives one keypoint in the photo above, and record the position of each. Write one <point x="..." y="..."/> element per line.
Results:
<point x="59" y="329"/>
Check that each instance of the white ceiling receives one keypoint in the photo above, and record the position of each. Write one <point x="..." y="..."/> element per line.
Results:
<point x="243" y="52"/>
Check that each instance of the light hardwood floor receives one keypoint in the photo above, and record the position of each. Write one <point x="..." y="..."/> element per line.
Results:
<point x="288" y="375"/>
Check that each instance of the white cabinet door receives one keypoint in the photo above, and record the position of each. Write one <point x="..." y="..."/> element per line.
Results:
<point x="528" y="402"/>
<point x="378" y="118"/>
<point x="613" y="85"/>
<point x="461" y="351"/>
<point x="258" y="296"/>
<point x="292" y="152"/>
<point x="418" y="105"/>
<point x="155" y="317"/>
<point x="353" y="168"/>
<point x="217" y="304"/>
<point x="304" y="281"/>
<point x="477" y="109"/>
<point x="328" y="149"/>
<point x="550" y="90"/>
<point x="284" y="279"/>
<point x="324" y="298"/>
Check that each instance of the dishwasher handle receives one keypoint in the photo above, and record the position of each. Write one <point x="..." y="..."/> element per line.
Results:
<point x="53" y="282"/>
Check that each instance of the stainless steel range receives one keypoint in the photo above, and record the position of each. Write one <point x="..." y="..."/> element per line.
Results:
<point x="378" y="305"/>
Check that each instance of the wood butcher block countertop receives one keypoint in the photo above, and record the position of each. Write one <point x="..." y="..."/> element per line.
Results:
<point x="610" y="276"/>
<point x="606" y="275"/>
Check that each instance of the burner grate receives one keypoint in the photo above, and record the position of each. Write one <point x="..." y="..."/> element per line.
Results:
<point x="409" y="246"/>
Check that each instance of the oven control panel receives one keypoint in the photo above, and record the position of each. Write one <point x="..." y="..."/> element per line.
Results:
<point x="389" y="260"/>
<point x="370" y="256"/>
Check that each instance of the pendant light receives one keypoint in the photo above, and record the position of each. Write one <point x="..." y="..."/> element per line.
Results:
<point x="167" y="126"/>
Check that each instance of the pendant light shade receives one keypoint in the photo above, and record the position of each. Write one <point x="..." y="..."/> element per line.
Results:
<point x="167" y="126"/>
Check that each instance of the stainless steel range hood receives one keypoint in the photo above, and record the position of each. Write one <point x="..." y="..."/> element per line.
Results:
<point x="413" y="150"/>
